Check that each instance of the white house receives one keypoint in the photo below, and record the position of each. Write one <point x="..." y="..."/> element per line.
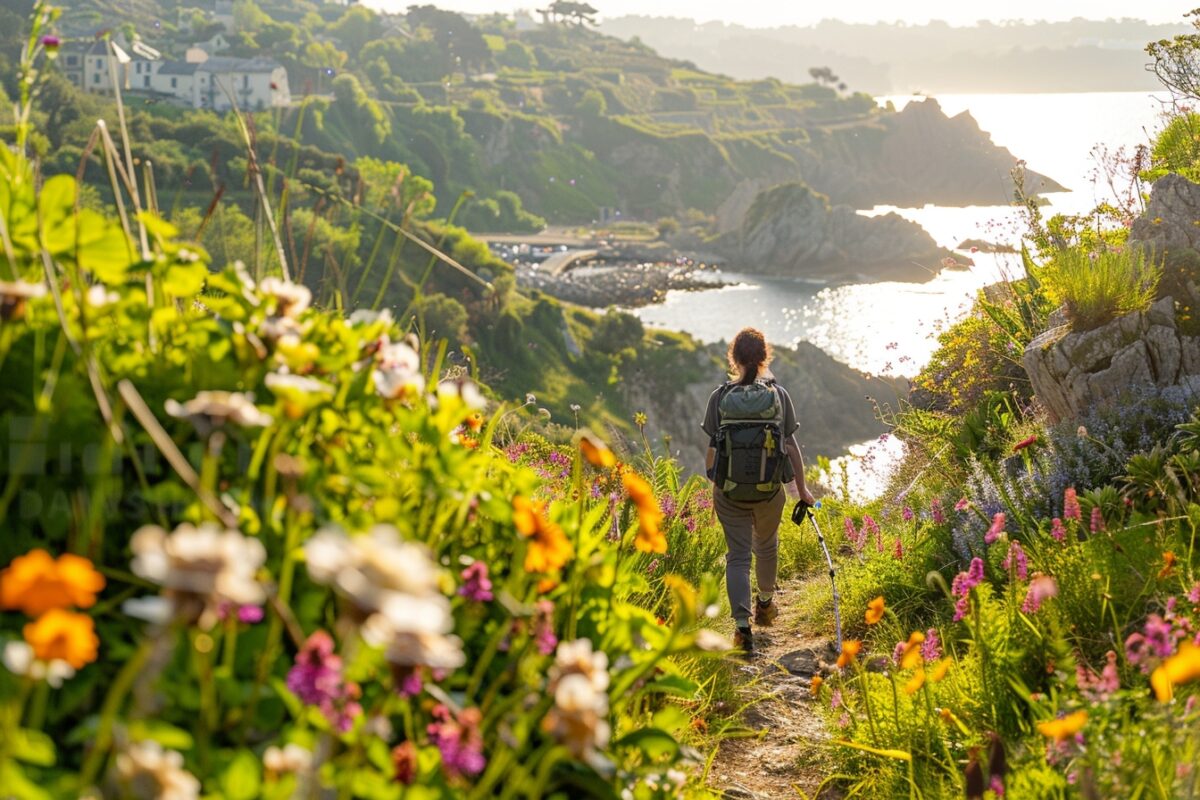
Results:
<point x="176" y="78"/>
<point x="92" y="71"/>
<point x="252" y="84"/>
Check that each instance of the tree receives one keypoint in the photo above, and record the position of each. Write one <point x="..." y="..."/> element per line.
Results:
<point x="357" y="28"/>
<point x="592" y="104"/>
<point x="248" y="17"/>
<point x="582" y="13"/>
<point x="454" y="34"/>
<point x="824" y="75"/>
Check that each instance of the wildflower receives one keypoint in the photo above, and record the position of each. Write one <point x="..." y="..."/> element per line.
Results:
<point x="1057" y="530"/>
<point x="458" y="740"/>
<point x="1183" y="667"/>
<point x="939" y="670"/>
<point x="14" y="295"/>
<point x="915" y="682"/>
<point x="1102" y="687"/>
<point x="907" y="514"/>
<point x="962" y="505"/>
<point x="1028" y="442"/>
<point x="98" y="296"/>
<point x="1015" y="560"/>
<point x="596" y="452"/>
<point x="996" y="530"/>
<point x="650" y="538"/>
<point x="814" y="686"/>
<point x="1071" y="509"/>
<point x="579" y="683"/>
<point x="290" y="758"/>
<point x="1159" y="636"/>
<point x="1063" y="728"/>
<point x="210" y="410"/>
<point x="149" y="772"/>
<point x="875" y="610"/>
<point x="911" y="657"/>
<point x="290" y="298"/>
<point x="640" y="419"/>
<point x="200" y="569"/>
<point x="476" y="587"/>
<point x="935" y="508"/>
<point x="397" y="374"/>
<point x="898" y="652"/>
<point x="366" y="317"/>
<point x="36" y="583"/>
<point x="249" y="614"/>
<point x="543" y="627"/>
<point x="930" y="648"/>
<point x="19" y="660"/>
<point x="962" y="585"/>
<point x="405" y="763"/>
<point x="1168" y="567"/>
<point x="871" y="527"/>
<point x="850" y="651"/>
<point x="59" y="635"/>
<point x="1096" y="525"/>
<point x="1193" y="595"/>
<point x="298" y="394"/>
<point x="898" y="550"/>
<point x="1041" y="589"/>
<point x="835" y="698"/>
<point x="316" y="678"/>
<point x="51" y="43"/>
<point x="548" y="548"/>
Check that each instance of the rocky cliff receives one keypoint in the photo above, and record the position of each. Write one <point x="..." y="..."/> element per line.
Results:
<point x="792" y="231"/>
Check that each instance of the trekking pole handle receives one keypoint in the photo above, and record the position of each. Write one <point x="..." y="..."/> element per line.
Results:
<point x="803" y="511"/>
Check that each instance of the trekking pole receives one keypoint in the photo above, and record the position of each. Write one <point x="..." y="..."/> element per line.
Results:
<point x="802" y="511"/>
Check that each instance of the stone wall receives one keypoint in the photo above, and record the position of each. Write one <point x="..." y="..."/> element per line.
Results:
<point x="1074" y="372"/>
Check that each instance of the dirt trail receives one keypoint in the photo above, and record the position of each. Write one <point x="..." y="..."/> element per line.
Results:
<point x="785" y="753"/>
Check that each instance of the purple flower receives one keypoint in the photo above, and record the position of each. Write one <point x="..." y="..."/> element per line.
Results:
<point x="1193" y="596"/>
<point x="1160" y="636"/>
<point x="996" y="530"/>
<point x="939" y="516"/>
<point x="871" y="528"/>
<point x="51" y="42"/>
<point x="543" y="627"/>
<point x="931" y="648"/>
<point x="458" y="740"/>
<point x="409" y="684"/>
<point x="835" y="699"/>
<point x="1057" y="530"/>
<point x="250" y="614"/>
<point x="476" y="587"/>
<point x="667" y="504"/>
<point x="907" y="514"/>
<point x="1041" y="589"/>
<point x="652" y="567"/>
<point x="898" y="651"/>
<point x="316" y="678"/>
<point x="1015" y="559"/>
<point x="962" y="585"/>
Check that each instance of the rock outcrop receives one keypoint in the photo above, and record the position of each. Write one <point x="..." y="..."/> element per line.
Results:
<point x="1072" y="373"/>
<point x="791" y="231"/>
<point x="1169" y="224"/>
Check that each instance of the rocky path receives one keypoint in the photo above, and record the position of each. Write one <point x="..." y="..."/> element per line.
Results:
<point x="784" y="752"/>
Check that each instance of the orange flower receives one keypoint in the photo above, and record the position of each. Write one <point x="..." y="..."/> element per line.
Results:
<point x="875" y="610"/>
<point x="911" y="657"/>
<point x="63" y="635"/>
<point x="596" y="452"/>
<point x="548" y="548"/>
<point x="1063" y="728"/>
<point x="650" y="538"/>
<point x="1169" y="560"/>
<point x="815" y="685"/>
<point x="475" y="421"/>
<point x="36" y="583"/>
<point x="915" y="683"/>
<point x="940" y="669"/>
<point x="850" y="650"/>
<point x="1183" y="667"/>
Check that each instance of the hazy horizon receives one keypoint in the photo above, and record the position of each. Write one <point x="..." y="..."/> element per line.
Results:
<point x="766" y="14"/>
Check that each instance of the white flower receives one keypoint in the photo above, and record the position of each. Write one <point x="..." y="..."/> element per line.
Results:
<point x="398" y="371"/>
<point x="579" y="718"/>
<point x="467" y="390"/>
<point x="280" y="329"/>
<point x="19" y="659"/>
<point x="364" y="316"/>
<point x="578" y="658"/>
<point x="148" y="772"/>
<point x="13" y="296"/>
<point x="290" y="758"/>
<point x="284" y="383"/>
<point x="98" y="296"/>
<point x="211" y="409"/>
<point x="290" y="298"/>
<point x="200" y="568"/>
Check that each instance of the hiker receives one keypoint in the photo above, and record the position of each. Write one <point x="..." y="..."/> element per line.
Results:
<point x="752" y="454"/>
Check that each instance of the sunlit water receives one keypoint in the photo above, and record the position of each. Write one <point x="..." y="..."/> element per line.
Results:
<point x="890" y="328"/>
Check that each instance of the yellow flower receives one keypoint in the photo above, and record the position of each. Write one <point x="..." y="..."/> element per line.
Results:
<point x="850" y="650"/>
<point x="940" y="669"/>
<point x="915" y="682"/>
<point x="650" y="538"/>
<point x="875" y="610"/>
<point x="548" y="548"/>
<point x="1183" y="667"/>
<point x="36" y="583"/>
<point x="63" y="635"/>
<point x="596" y="452"/>
<point x="1063" y="728"/>
<point x="815" y="685"/>
<point x="911" y="657"/>
<point x="640" y="419"/>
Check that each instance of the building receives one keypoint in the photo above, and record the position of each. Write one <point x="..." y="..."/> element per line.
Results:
<point x="91" y="66"/>
<point x="253" y="84"/>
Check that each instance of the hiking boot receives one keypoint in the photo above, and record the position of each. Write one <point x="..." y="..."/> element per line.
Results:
<point x="743" y="640"/>
<point x="765" y="613"/>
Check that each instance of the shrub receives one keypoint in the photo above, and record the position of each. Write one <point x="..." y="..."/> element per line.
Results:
<point x="1096" y="288"/>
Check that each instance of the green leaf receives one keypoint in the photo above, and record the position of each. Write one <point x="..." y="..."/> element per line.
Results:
<point x="674" y="686"/>
<point x="167" y="735"/>
<point x="242" y="778"/>
<point x="17" y="786"/>
<point x="654" y="742"/>
<point x="33" y="747"/>
<point x="184" y="280"/>
<point x="103" y="249"/>
<point x="671" y="718"/>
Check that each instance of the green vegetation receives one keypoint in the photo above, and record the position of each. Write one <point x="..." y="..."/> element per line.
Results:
<point x="1096" y="288"/>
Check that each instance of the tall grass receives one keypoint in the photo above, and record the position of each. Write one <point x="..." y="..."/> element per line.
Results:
<point x="1097" y="287"/>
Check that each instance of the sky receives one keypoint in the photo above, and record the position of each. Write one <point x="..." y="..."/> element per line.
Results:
<point x="767" y="13"/>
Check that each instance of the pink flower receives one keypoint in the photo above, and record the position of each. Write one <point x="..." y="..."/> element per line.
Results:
<point x="1193" y="596"/>
<point x="939" y="517"/>
<point x="316" y="678"/>
<point x="476" y="587"/>
<point x="250" y="614"/>
<point x="1071" y="508"/>
<point x="1015" y="559"/>
<point x="962" y="585"/>
<point x="459" y="740"/>
<point x="1028" y="442"/>
<point x="898" y="551"/>
<point x="1160" y="636"/>
<point x="907" y="514"/>
<point x="543" y="627"/>
<point x="997" y="528"/>
<point x="1057" y="530"/>
<point x="997" y="785"/>
<point x="835" y="699"/>
<point x="1041" y="589"/>
<point x="1097" y="521"/>
<point x="898" y="651"/>
<point x="51" y="43"/>
<point x="962" y="505"/>
<point x="930" y="648"/>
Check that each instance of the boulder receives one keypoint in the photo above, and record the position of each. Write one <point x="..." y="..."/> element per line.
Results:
<point x="1169" y="224"/>
<point x="1071" y="373"/>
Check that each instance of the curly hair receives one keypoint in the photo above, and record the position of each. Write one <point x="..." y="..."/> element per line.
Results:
<point x="748" y="354"/>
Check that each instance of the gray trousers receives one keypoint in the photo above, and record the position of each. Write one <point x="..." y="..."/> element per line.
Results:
<point x="750" y="529"/>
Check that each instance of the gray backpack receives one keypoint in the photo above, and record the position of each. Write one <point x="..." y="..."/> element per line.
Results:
<point x="750" y="448"/>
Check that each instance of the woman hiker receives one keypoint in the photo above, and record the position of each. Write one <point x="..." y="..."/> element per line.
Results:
<point x="752" y="454"/>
